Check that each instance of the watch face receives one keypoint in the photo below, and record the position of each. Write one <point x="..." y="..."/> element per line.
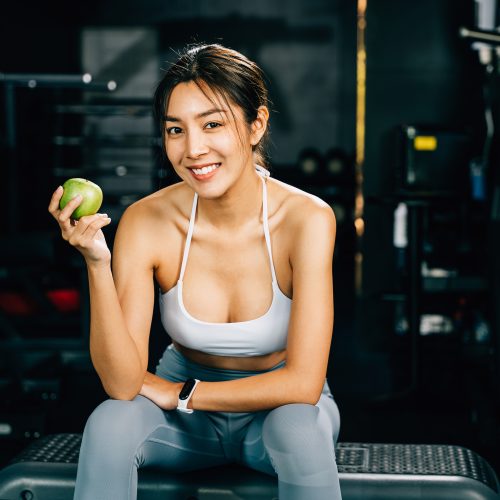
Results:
<point x="187" y="388"/>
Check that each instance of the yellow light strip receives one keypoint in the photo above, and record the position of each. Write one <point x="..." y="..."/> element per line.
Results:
<point x="359" y="201"/>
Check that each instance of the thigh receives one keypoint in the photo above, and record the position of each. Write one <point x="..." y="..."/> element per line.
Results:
<point x="140" y="432"/>
<point x="254" y="453"/>
<point x="182" y="442"/>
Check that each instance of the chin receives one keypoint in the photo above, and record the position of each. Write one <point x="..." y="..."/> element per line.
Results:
<point x="210" y="194"/>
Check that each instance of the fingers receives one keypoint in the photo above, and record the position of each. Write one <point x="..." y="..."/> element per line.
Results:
<point x="54" y="201"/>
<point x="86" y="229"/>
<point x="65" y="214"/>
<point x="79" y="233"/>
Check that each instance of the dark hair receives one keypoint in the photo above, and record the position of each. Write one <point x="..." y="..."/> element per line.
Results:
<point x="225" y="71"/>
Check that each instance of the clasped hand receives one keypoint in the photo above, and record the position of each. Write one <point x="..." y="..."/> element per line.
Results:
<point x="163" y="393"/>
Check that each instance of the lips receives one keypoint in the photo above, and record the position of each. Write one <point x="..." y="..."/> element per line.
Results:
<point x="204" y="176"/>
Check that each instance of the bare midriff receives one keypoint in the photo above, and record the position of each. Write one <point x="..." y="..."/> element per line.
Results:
<point x="254" y="363"/>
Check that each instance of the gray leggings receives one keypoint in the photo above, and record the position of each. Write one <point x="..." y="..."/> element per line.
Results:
<point x="294" y="442"/>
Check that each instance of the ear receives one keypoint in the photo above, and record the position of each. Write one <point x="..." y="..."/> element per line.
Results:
<point x="259" y="125"/>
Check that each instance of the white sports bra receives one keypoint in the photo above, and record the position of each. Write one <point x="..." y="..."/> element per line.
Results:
<point x="256" y="337"/>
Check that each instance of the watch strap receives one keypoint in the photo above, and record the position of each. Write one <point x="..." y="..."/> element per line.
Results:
<point x="182" y="403"/>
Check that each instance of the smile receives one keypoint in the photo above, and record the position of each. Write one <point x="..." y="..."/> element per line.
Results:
<point x="205" y="172"/>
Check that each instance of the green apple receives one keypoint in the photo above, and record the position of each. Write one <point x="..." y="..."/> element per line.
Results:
<point x="91" y="196"/>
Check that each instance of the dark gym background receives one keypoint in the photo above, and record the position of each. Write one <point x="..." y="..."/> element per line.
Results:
<point x="415" y="349"/>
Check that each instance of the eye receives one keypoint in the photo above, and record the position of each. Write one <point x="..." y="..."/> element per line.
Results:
<point x="173" y="130"/>
<point x="211" y="125"/>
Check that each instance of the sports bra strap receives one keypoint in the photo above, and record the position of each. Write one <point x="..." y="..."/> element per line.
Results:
<point x="189" y="236"/>
<point x="266" y="226"/>
<point x="263" y="174"/>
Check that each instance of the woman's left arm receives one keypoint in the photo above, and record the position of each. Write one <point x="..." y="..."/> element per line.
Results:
<point x="310" y="331"/>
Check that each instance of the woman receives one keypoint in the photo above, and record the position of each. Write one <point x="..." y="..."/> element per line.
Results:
<point x="243" y="262"/>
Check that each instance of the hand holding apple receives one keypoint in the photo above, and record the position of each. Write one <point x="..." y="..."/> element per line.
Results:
<point x="78" y="229"/>
<point x="90" y="192"/>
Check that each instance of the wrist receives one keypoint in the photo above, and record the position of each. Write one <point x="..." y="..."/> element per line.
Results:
<point x="184" y="402"/>
<point x="190" y="404"/>
<point x="178" y="388"/>
<point x="97" y="266"/>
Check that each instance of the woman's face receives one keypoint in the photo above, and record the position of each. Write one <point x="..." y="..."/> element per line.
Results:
<point x="206" y="145"/>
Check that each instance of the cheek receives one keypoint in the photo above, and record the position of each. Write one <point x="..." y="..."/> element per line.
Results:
<point x="225" y="142"/>
<point x="173" y="149"/>
<point x="234" y="143"/>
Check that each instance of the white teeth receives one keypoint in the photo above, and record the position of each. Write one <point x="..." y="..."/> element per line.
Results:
<point x="206" y="170"/>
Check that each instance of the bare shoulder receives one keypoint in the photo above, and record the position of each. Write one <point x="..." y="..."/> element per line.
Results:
<point x="310" y="227"/>
<point x="302" y="208"/>
<point x="153" y="219"/>
<point x="161" y="208"/>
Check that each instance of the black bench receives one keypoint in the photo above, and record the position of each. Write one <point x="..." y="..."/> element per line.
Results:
<point x="46" y="470"/>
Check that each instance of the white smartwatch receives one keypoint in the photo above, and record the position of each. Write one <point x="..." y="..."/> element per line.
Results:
<point x="185" y="395"/>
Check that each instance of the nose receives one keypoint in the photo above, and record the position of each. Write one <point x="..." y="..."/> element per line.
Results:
<point x="196" y="145"/>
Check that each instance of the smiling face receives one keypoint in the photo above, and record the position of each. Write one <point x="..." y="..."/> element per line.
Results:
<point x="208" y="143"/>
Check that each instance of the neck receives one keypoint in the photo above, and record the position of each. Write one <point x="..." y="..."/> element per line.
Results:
<point x="238" y="206"/>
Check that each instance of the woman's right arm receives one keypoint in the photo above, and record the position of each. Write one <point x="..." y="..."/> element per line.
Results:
<point x="121" y="302"/>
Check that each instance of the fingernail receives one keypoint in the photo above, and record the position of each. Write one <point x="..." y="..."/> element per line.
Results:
<point x="104" y="215"/>
<point x="78" y="197"/>
<point x="59" y="188"/>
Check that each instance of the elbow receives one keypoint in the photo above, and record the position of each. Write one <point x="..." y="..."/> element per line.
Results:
<point x="310" y="399"/>
<point x="121" y="395"/>
<point x="309" y="395"/>
<point x="304" y="389"/>
<point x="121" y="392"/>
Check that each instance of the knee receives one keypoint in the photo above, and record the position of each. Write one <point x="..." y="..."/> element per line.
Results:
<point x="300" y="445"/>
<point x="331" y="410"/>
<point x="292" y="428"/>
<point x="115" y="421"/>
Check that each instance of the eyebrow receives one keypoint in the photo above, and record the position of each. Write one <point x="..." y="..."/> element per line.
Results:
<point x="169" y="118"/>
